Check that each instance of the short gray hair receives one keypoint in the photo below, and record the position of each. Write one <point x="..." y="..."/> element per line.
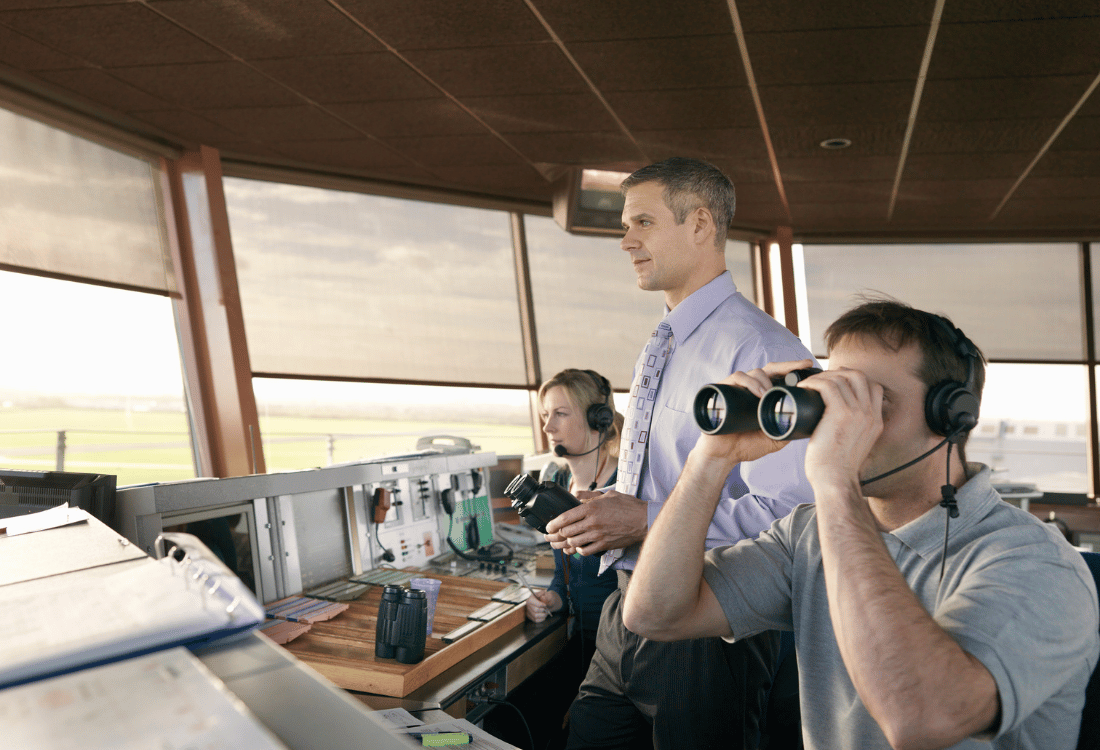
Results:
<point x="689" y="184"/>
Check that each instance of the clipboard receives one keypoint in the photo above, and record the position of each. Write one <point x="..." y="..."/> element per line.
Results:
<point x="88" y="616"/>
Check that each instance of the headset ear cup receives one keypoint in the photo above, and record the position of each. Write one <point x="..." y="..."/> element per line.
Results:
<point x="951" y="408"/>
<point x="600" y="417"/>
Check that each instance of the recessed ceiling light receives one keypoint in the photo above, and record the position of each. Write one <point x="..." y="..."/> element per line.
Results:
<point x="836" y="143"/>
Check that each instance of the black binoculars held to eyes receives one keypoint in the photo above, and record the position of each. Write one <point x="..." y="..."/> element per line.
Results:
<point x="785" y="412"/>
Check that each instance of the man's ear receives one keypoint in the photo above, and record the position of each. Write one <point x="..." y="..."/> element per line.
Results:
<point x="703" y="226"/>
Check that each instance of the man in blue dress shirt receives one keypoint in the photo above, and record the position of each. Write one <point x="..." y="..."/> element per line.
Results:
<point x="704" y="692"/>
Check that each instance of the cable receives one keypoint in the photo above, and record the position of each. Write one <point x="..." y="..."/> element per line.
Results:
<point x="387" y="555"/>
<point x="481" y="554"/>
<point x="501" y="702"/>
<point x="921" y="457"/>
<point x="948" y="502"/>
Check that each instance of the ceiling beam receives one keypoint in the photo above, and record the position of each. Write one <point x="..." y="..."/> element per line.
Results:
<point x="1046" y="146"/>
<point x="914" y="107"/>
<point x="739" y="32"/>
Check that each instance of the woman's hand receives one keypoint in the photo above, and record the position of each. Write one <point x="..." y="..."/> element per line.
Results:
<point x="542" y="604"/>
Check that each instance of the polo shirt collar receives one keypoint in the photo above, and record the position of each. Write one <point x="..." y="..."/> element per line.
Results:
<point x="975" y="499"/>
<point x="698" y="306"/>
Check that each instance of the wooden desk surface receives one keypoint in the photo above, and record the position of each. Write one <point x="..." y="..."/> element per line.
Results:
<point x="342" y="649"/>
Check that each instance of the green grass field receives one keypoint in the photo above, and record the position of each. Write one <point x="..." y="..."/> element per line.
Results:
<point x="155" y="446"/>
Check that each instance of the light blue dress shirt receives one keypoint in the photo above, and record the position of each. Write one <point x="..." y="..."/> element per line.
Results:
<point x="716" y="332"/>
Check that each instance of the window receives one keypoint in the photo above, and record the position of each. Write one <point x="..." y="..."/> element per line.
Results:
<point x="990" y="291"/>
<point x="345" y="285"/>
<point x="72" y="207"/>
<point x="308" y="423"/>
<point x="90" y="381"/>
<point x="1034" y="416"/>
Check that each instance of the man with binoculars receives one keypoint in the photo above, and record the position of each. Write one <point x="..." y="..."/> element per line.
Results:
<point x="926" y="611"/>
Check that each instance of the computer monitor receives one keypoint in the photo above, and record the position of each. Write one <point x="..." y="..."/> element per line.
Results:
<point x="24" y="492"/>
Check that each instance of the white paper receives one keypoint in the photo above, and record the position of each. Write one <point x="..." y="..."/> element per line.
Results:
<point x="60" y="515"/>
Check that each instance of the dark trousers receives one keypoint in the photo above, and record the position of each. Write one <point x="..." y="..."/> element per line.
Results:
<point x="701" y="693"/>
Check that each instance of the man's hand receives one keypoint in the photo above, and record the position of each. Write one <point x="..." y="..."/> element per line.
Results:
<point x="729" y="450"/>
<point x="849" y="427"/>
<point x="541" y="604"/>
<point x="603" y="521"/>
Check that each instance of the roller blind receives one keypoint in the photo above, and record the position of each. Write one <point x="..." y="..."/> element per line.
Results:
<point x="341" y="284"/>
<point x="1015" y="301"/>
<point x="73" y="207"/>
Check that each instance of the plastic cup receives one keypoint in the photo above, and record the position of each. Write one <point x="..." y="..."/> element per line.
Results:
<point x="429" y="586"/>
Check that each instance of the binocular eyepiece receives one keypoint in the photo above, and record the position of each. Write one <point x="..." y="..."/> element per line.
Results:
<point x="538" y="503"/>
<point x="785" y="412"/>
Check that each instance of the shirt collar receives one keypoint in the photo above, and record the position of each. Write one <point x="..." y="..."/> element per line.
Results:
<point x="698" y="305"/>
<point x="975" y="499"/>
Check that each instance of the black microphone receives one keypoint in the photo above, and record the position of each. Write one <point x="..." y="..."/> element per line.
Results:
<point x="560" y="450"/>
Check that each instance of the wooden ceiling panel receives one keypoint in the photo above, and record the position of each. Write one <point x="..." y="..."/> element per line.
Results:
<point x="455" y="150"/>
<point x="841" y="56"/>
<point x="1059" y="187"/>
<point x="1080" y="134"/>
<point x="350" y="78"/>
<point x="282" y="123"/>
<point x="192" y="129"/>
<point x="496" y="179"/>
<point x="926" y="214"/>
<point x="985" y="11"/>
<point x="726" y="107"/>
<point x="831" y="166"/>
<point x="868" y="139"/>
<point x="534" y="113"/>
<point x="982" y="136"/>
<point x="609" y="20"/>
<point x="438" y="116"/>
<point x="1062" y="163"/>
<point x="743" y="171"/>
<point x="929" y="167"/>
<point x="834" y="216"/>
<point x="217" y="85"/>
<point x="759" y="16"/>
<point x="99" y="85"/>
<point x="575" y="148"/>
<point x="271" y="28"/>
<point x="430" y="24"/>
<point x="726" y="143"/>
<point x="1060" y="47"/>
<point x="112" y="35"/>
<point x="758" y="206"/>
<point x="305" y="84"/>
<point x="500" y="71"/>
<point x="837" y="105"/>
<point x="667" y="63"/>
<point x="1001" y="98"/>
<point x="1065" y="214"/>
<point x="356" y="153"/>
<point x="932" y="191"/>
<point x="26" y="54"/>
<point x="865" y="191"/>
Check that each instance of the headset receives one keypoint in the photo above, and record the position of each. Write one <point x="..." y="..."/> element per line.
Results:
<point x="951" y="407"/>
<point x="600" y="415"/>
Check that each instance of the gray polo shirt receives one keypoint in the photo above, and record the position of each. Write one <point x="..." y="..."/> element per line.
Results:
<point x="1015" y="595"/>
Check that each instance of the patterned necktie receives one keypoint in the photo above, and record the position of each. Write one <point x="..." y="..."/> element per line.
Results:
<point x="639" y="414"/>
